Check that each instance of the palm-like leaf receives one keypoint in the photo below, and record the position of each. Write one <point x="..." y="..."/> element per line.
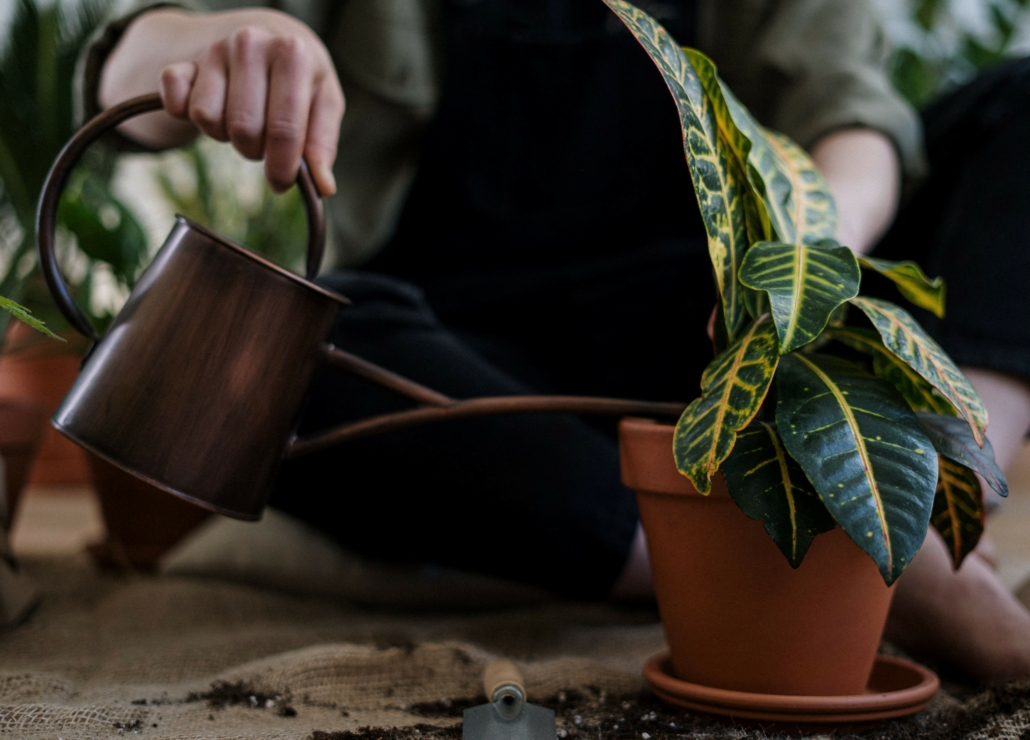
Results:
<point x="805" y="285"/>
<point x="767" y="484"/>
<point x="22" y="313"/>
<point x="720" y="183"/>
<point x="733" y="387"/>
<point x="958" y="511"/>
<point x="910" y="342"/>
<point x="864" y="451"/>
<point x="912" y="282"/>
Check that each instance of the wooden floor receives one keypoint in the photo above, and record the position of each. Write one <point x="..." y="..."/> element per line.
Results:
<point x="65" y="520"/>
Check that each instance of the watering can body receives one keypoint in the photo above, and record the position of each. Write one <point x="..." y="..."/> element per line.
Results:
<point x="199" y="380"/>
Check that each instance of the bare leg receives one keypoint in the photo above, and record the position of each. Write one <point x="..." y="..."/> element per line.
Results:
<point x="968" y="618"/>
<point x="634" y="583"/>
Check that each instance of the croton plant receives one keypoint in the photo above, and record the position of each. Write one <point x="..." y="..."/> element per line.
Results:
<point x="814" y="422"/>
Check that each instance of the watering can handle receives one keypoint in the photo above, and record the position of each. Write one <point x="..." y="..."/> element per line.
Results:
<point x="46" y="215"/>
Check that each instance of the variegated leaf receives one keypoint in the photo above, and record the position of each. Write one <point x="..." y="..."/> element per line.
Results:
<point x="720" y="183"/>
<point x="958" y="510"/>
<point x="812" y="210"/>
<point x="733" y="387"/>
<point x="921" y="396"/>
<point x="912" y="282"/>
<point x="910" y="342"/>
<point x="797" y="206"/>
<point x="864" y="451"/>
<point x="805" y="285"/>
<point x="768" y="485"/>
<point x="953" y="439"/>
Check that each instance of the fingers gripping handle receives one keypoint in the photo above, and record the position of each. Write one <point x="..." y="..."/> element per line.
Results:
<point x="499" y="673"/>
<point x="49" y="199"/>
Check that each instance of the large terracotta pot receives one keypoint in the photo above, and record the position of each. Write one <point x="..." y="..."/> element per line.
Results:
<point x="736" y="615"/>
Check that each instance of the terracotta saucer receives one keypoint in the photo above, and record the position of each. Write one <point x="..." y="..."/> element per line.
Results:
<point x="896" y="688"/>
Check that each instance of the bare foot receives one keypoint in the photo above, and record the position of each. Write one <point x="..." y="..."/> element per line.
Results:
<point x="966" y="618"/>
<point x="634" y="583"/>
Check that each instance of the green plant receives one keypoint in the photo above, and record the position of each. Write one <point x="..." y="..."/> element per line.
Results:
<point x="939" y="52"/>
<point x="234" y="199"/>
<point x="36" y="119"/>
<point x="814" y="423"/>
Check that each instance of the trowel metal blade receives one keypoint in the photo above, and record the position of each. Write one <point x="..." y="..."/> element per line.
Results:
<point x="486" y="723"/>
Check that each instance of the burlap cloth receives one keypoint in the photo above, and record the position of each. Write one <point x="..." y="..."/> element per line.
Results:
<point x="185" y="657"/>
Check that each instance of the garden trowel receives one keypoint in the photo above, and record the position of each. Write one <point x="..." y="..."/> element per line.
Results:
<point x="507" y="716"/>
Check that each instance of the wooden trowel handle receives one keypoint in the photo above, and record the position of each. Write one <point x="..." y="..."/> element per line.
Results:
<point x="500" y="672"/>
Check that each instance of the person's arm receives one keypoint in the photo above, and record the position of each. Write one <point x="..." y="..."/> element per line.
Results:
<point x="258" y="78"/>
<point x="862" y="169"/>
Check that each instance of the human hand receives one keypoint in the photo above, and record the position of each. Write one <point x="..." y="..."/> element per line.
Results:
<point x="272" y="92"/>
<point x="256" y="77"/>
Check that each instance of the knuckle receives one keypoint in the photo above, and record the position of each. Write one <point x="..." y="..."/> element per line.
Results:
<point x="284" y="130"/>
<point x="243" y="128"/>
<point x="247" y="40"/>
<point x="217" y="52"/>
<point x="204" y="117"/>
<point x="291" y="51"/>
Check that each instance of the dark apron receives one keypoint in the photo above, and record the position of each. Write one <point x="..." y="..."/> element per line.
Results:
<point x="555" y="140"/>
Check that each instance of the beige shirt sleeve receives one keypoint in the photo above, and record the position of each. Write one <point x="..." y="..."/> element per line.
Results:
<point x="95" y="53"/>
<point x="808" y="67"/>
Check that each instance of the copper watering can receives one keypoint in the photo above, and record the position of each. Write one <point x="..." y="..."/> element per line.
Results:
<point x="200" y="379"/>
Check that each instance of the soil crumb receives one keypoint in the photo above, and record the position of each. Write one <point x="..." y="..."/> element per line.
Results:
<point x="420" y="731"/>
<point x="241" y="693"/>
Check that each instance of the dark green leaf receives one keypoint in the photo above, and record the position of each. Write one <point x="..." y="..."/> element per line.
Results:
<point x="864" y="451"/>
<point x="768" y="485"/>
<point x="953" y="439"/>
<point x="910" y="342"/>
<point x="958" y="511"/>
<point x="805" y="285"/>
<point x="920" y="395"/>
<point x="733" y="387"/>
<point x="912" y="282"/>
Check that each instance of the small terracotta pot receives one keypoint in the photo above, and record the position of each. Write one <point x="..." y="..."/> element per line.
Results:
<point x="736" y="615"/>
<point x="22" y="423"/>
<point x="143" y="522"/>
<point x="43" y="370"/>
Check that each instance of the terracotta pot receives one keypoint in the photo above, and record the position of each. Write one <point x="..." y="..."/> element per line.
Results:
<point x="143" y="522"/>
<point x="22" y="424"/>
<point x="43" y="372"/>
<point x="736" y="615"/>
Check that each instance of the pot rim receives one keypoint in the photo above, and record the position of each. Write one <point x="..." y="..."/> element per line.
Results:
<point x="647" y="463"/>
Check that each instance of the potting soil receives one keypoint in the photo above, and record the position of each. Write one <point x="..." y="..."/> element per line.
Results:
<point x="178" y="657"/>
